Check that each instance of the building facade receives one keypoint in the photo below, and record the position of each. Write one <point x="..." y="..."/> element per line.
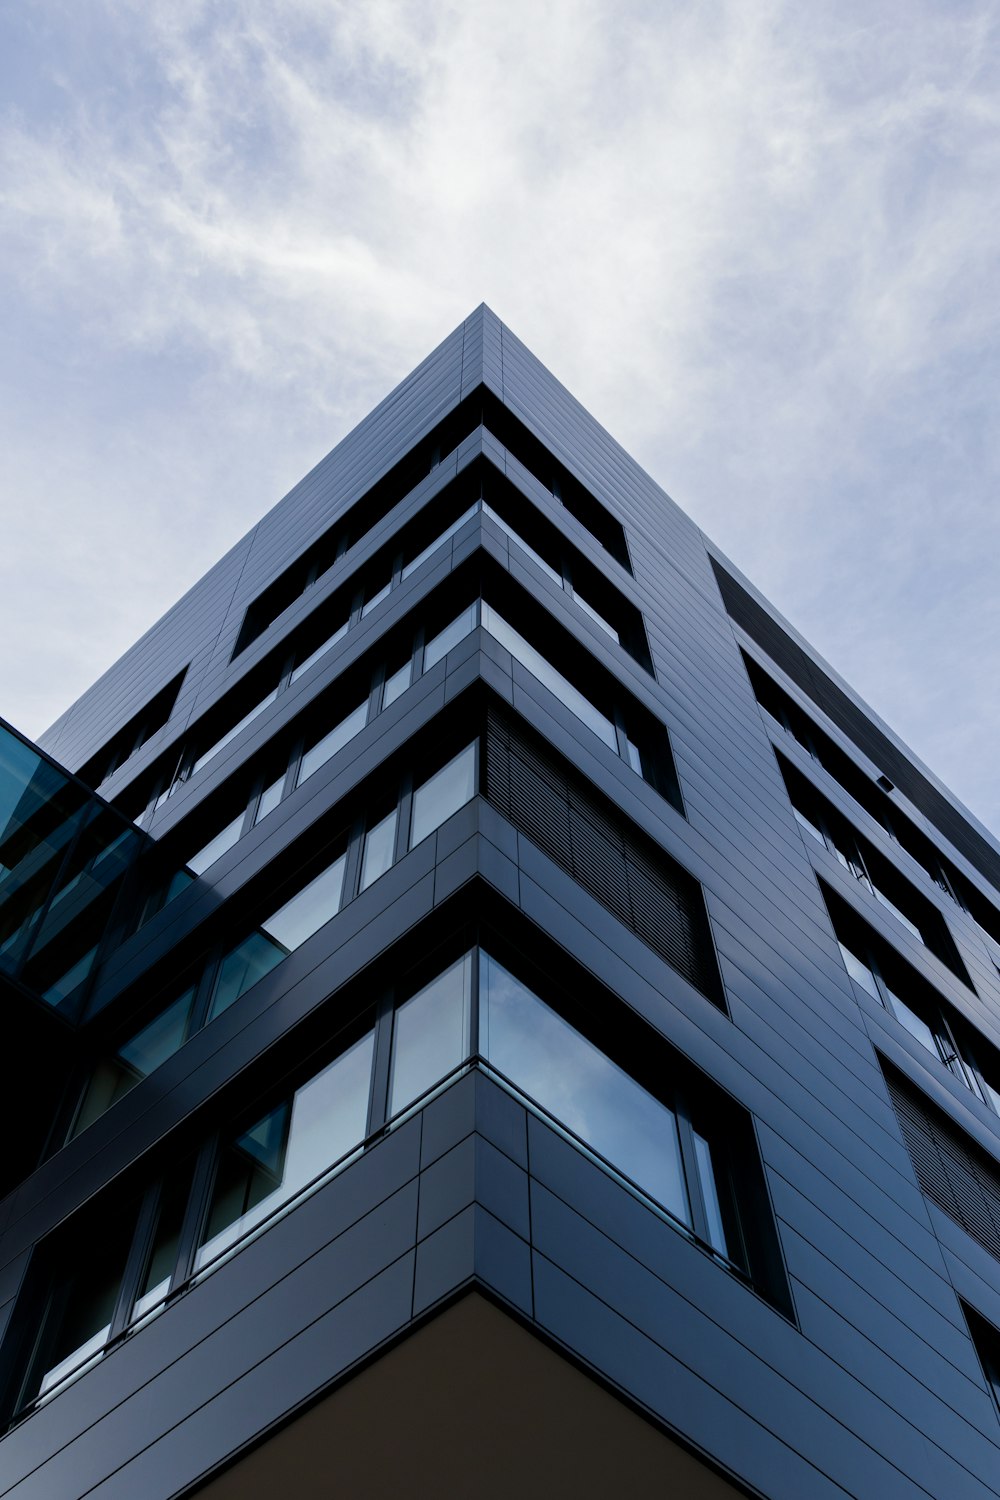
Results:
<point x="489" y="1009"/>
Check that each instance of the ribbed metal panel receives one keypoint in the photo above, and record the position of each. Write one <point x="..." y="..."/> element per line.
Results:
<point x="639" y="884"/>
<point x="951" y="1170"/>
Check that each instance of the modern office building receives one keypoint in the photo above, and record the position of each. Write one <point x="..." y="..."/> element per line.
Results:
<point x="489" y="1011"/>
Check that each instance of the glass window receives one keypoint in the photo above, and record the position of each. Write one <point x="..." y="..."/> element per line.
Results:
<point x="217" y="847"/>
<point x="439" y="541"/>
<point x="256" y="956"/>
<point x="440" y="644"/>
<point x="634" y="756"/>
<point x="589" y="609"/>
<point x="115" y="1076"/>
<point x="306" y="912"/>
<point x="860" y="972"/>
<point x="155" y="1281"/>
<point x="509" y="530"/>
<point x="900" y="916"/>
<point x="81" y="1308"/>
<point x="337" y="738"/>
<point x="810" y="827"/>
<point x="556" y="683"/>
<point x="581" y="1087"/>
<point x="913" y="1023"/>
<point x="710" y="1195"/>
<point x="269" y="798"/>
<point x="64" y="986"/>
<point x="430" y="1034"/>
<point x="263" y="1168"/>
<point x="376" y="598"/>
<point x="396" y="684"/>
<point x="443" y="793"/>
<point x="321" y="650"/>
<point x="380" y="845"/>
<point x="232" y="733"/>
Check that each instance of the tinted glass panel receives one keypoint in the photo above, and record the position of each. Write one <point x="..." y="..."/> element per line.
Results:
<point x="439" y="540"/>
<point x="306" y="912"/>
<point x="216" y="848"/>
<point x="80" y="1309"/>
<point x="396" y="684"/>
<point x="334" y="741"/>
<point x="114" y="1076"/>
<point x="598" y="619"/>
<point x="155" y="1282"/>
<point x="710" y="1195"/>
<point x="914" y="1025"/>
<point x="575" y="1082"/>
<point x="314" y="656"/>
<point x="376" y="598"/>
<point x="860" y="972"/>
<point x="539" y="561"/>
<point x="264" y="1167"/>
<point x="443" y="793"/>
<point x="232" y="733"/>
<point x="431" y="1034"/>
<point x="269" y="798"/>
<point x="380" y="843"/>
<point x="441" y="644"/>
<point x="556" y="683"/>
<point x="255" y="957"/>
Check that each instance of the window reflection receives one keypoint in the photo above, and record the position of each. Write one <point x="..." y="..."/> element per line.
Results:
<point x="380" y="844"/>
<point x="556" y="683"/>
<point x="431" y="1034"/>
<point x="581" y="1087"/>
<point x="115" y="1076"/>
<point x="264" y="1167"/>
<point x="260" y="1170"/>
<point x="256" y="956"/>
<point x="328" y="746"/>
<point x="440" y="644"/>
<point x="81" y="1309"/>
<point x="443" y="794"/>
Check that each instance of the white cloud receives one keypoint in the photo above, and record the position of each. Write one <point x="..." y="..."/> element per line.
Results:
<point x="758" y="241"/>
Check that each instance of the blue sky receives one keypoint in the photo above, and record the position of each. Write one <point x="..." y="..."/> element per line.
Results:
<point x="758" y="240"/>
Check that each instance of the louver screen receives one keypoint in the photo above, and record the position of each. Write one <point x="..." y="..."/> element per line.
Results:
<point x="641" y="885"/>
<point x="951" y="1169"/>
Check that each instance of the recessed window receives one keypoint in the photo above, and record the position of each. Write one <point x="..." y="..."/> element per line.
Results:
<point x="431" y="1034"/>
<point x="645" y="1118"/>
<point x="873" y="872"/>
<point x="906" y="995"/>
<point x="379" y="849"/>
<point x="443" y="794"/>
<point x="264" y="1166"/>
<point x="987" y="1341"/>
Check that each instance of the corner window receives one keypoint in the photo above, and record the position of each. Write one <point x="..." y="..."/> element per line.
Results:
<point x="671" y="1139"/>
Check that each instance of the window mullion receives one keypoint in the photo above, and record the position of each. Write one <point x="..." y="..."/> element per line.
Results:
<point x="352" y="861"/>
<point x="689" y="1160"/>
<point x="380" y="1064"/>
<point x="142" y="1244"/>
<point x="404" y="818"/>
<point x="204" y="988"/>
<point x="202" y="1181"/>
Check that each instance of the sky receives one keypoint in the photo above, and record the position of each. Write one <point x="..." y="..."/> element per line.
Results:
<point x="759" y="241"/>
